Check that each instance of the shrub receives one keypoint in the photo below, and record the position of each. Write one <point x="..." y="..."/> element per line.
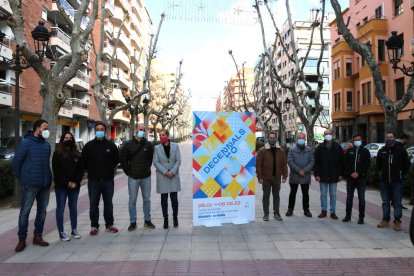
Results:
<point x="6" y="178"/>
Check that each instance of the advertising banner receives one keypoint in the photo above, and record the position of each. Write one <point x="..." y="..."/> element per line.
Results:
<point x="224" y="167"/>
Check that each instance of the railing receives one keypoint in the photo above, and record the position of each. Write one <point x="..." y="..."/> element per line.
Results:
<point x="57" y="32"/>
<point x="5" y="88"/>
<point x="371" y="18"/>
<point x="78" y="103"/>
<point x="82" y="76"/>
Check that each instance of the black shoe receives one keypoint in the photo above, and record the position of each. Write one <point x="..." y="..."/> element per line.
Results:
<point x="132" y="227"/>
<point x="165" y="223"/>
<point x="175" y="222"/>
<point x="333" y="216"/>
<point x="361" y="221"/>
<point x="149" y="224"/>
<point x="346" y="219"/>
<point x="289" y="212"/>
<point x="307" y="213"/>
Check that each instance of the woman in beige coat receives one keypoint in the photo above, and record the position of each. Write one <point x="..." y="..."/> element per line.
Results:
<point x="167" y="161"/>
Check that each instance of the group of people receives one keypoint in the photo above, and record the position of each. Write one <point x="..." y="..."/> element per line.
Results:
<point x="99" y="158"/>
<point x="331" y="165"/>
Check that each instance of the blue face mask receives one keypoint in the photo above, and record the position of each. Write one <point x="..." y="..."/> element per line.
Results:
<point x="357" y="143"/>
<point x="140" y="134"/>
<point x="301" y="142"/>
<point x="100" y="134"/>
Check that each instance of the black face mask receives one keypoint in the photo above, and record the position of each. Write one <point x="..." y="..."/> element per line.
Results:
<point x="68" y="143"/>
<point x="389" y="142"/>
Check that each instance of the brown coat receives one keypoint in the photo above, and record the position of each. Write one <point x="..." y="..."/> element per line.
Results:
<point x="264" y="163"/>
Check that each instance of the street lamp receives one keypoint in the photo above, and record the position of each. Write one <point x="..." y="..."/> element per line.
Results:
<point x="394" y="45"/>
<point x="18" y="64"/>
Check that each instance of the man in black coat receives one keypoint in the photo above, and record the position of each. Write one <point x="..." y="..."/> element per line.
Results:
<point x="100" y="158"/>
<point x="392" y="164"/>
<point x="328" y="170"/>
<point x="357" y="160"/>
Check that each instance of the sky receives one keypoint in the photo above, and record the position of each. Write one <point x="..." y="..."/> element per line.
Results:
<point x="203" y="46"/>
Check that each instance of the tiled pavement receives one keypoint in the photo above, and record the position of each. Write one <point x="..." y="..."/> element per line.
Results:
<point x="296" y="246"/>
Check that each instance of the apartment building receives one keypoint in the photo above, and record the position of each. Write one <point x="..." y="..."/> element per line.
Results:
<point x="356" y="109"/>
<point x="237" y="93"/>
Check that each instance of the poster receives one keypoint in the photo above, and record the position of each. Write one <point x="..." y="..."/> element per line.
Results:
<point x="224" y="167"/>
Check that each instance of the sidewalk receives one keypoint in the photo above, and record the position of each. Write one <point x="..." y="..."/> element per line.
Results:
<point x="296" y="246"/>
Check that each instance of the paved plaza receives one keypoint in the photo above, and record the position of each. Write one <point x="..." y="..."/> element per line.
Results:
<point x="295" y="246"/>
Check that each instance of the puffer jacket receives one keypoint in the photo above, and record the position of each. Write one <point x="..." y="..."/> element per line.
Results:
<point x="300" y="159"/>
<point x="31" y="162"/>
<point x="264" y="163"/>
<point x="136" y="158"/>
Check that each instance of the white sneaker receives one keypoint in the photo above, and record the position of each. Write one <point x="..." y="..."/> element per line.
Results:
<point x="64" y="237"/>
<point x="75" y="234"/>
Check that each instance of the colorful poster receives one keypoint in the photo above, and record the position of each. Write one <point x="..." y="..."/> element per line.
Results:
<point x="224" y="168"/>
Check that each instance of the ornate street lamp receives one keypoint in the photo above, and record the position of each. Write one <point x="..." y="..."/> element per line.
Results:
<point x="394" y="45"/>
<point x="17" y="64"/>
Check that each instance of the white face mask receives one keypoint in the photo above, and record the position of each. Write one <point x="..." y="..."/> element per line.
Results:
<point x="45" y="133"/>
<point x="328" y="137"/>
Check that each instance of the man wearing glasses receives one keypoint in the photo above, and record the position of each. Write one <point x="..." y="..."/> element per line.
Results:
<point x="100" y="158"/>
<point x="136" y="161"/>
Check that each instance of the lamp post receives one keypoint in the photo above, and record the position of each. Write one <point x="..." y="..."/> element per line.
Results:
<point x="394" y="46"/>
<point x="18" y="64"/>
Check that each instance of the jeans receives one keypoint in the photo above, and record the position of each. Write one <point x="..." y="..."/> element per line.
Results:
<point x="274" y="186"/>
<point x="392" y="191"/>
<point x="305" y="196"/>
<point x="360" y="184"/>
<point x="324" y="196"/>
<point x="96" y="188"/>
<point x="133" y="188"/>
<point x="174" y="204"/>
<point x="29" y="195"/>
<point x="61" y="196"/>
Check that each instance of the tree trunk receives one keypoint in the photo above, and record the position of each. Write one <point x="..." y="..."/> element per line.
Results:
<point x="310" y="136"/>
<point x="391" y="120"/>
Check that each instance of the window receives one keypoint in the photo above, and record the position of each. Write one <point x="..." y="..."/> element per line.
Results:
<point x="362" y="61"/>
<point x="348" y="67"/>
<point x="366" y="93"/>
<point x="337" y="70"/>
<point x="369" y="94"/>
<point x="44" y="14"/>
<point x="398" y="7"/>
<point x="337" y="99"/>
<point x="378" y="12"/>
<point x="349" y="101"/>
<point x="381" y="50"/>
<point x="402" y="49"/>
<point x="399" y="89"/>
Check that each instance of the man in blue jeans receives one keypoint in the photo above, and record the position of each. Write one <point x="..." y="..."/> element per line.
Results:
<point x="392" y="164"/>
<point x="136" y="161"/>
<point x="32" y="169"/>
<point x="100" y="158"/>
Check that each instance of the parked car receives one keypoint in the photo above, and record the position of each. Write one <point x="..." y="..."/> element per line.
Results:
<point x="7" y="148"/>
<point x="346" y="145"/>
<point x="374" y="148"/>
<point x="410" y="152"/>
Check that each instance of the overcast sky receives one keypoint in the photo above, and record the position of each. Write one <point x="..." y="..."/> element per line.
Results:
<point x="203" y="47"/>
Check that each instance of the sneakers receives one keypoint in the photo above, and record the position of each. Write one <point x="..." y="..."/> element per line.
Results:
<point x="75" y="234"/>
<point x="397" y="225"/>
<point x="266" y="217"/>
<point x="149" y="225"/>
<point x="307" y="213"/>
<point x="20" y="246"/>
<point x="383" y="224"/>
<point x="94" y="231"/>
<point x="132" y="226"/>
<point x="289" y="212"/>
<point x="111" y="229"/>
<point x="64" y="237"/>
<point x="277" y="217"/>
<point x="346" y="219"/>
<point x="322" y="214"/>
<point x="334" y="216"/>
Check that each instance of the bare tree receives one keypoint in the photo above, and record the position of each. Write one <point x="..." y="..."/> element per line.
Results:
<point x="391" y="109"/>
<point x="66" y="66"/>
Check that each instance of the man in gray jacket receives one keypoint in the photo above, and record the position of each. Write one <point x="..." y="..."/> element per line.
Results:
<point x="300" y="160"/>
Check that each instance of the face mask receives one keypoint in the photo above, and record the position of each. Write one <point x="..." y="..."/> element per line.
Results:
<point x="357" y="143"/>
<point x="163" y="139"/>
<point x="68" y="143"/>
<point x="272" y="142"/>
<point x="328" y="137"/>
<point x="301" y="142"/>
<point x="389" y="142"/>
<point x="45" y="133"/>
<point x="140" y="134"/>
<point x="100" y="134"/>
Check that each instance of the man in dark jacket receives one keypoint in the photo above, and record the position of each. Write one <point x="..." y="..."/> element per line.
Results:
<point x="301" y="161"/>
<point x="328" y="170"/>
<point x="32" y="169"/>
<point x="392" y="164"/>
<point x="357" y="160"/>
<point x="136" y="161"/>
<point x="100" y="158"/>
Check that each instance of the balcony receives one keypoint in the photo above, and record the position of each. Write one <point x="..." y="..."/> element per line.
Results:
<point x="117" y="16"/>
<point x="109" y="28"/>
<point x="60" y="39"/>
<point x="373" y="24"/>
<point x="79" y="108"/>
<point x="108" y="50"/>
<point x="66" y="109"/>
<point x="122" y="116"/>
<point x="125" y="4"/>
<point x="80" y="82"/>
<point x="6" y="50"/>
<point x="121" y="60"/>
<point x="5" y="94"/>
<point x="116" y="96"/>
<point x="123" y="39"/>
<point x="109" y="8"/>
<point x="70" y="12"/>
